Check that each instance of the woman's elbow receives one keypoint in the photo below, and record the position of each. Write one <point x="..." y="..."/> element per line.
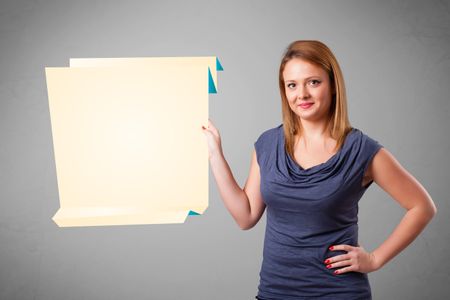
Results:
<point x="431" y="208"/>
<point x="428" y="210"/>
<point x="246" y="225"/>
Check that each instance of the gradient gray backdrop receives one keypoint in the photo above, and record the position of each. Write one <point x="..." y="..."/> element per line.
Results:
<point x="395" y="59"/>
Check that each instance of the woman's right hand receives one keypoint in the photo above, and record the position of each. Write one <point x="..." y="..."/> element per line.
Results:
<point x="213" y="139"/>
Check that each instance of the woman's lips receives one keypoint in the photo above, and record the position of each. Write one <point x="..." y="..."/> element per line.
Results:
<point x="306" y="105"/>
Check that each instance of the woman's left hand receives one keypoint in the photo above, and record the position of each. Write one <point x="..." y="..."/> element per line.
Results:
<point x="356" y="259"/>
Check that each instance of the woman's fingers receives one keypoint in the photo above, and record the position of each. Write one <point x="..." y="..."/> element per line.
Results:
<point x="210" y="124"/>
<point x="359" y="260"/>
<point x="213" y="139"/>
<point x="213" y="128"/>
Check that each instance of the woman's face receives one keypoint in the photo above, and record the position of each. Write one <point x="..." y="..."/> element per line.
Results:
<point x="305" y="82"/>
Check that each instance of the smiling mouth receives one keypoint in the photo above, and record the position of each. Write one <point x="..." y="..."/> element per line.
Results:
<point x="306" y="105"/>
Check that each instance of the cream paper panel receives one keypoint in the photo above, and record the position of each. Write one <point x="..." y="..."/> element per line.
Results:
<point x="128" y="143"/>
<point x="209" y="61"/>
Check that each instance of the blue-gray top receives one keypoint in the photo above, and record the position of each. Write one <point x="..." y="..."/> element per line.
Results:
<point x="307" y="211"/>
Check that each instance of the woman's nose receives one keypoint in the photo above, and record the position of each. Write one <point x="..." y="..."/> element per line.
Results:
<point x="302" y="92"/>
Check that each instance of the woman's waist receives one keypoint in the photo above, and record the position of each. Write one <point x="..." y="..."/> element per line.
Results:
<point x="311" y="238"/>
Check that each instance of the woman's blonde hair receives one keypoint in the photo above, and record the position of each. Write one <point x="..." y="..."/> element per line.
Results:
<point x="319" y="54"/>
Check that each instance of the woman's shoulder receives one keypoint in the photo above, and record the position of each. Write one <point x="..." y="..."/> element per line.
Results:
<point x="267" y="141"/>
<point x="364" y="144"/>
<point x="364" y="137"/>
<point x="270" y="133"/>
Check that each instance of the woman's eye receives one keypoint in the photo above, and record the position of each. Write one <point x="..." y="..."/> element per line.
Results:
<point x="290" y="84"/>
<point x="314" y="80"/>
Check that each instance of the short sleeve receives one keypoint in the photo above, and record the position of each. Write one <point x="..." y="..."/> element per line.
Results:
<point x="259" y="148"/>
<point x="370" y="148"/>
<point x="263" y="146"/>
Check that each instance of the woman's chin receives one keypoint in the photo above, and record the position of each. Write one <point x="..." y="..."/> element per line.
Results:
<point x="309" y="116"/>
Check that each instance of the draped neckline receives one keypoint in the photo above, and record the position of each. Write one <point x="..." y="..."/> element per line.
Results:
<point x="331" y="160"/>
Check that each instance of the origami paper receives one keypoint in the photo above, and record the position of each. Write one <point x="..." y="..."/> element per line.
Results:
<point x="211" y="61"/>
<point x="127" y="139"/>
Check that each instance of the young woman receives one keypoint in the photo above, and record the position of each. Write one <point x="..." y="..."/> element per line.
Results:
<point x="310" y="172"/>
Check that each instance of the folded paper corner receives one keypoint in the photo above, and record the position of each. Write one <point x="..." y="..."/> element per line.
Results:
<point x="218" y="65"/>
<point x="211" y="86"/>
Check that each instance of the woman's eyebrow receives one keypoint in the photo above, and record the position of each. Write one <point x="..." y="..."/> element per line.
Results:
<point x="288" y="80"/>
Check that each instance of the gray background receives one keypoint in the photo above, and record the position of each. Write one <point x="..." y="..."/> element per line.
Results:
<point x="395" y="59"/>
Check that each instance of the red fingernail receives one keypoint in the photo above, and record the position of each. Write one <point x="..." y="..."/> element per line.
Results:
<point x="331" y="248"/>
<point x="336" y="272"/>
<point x="327" y="261"/>
<point x="328" y="266"/>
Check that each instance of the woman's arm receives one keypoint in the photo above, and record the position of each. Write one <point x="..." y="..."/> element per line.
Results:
<point x="387" y="172"/>
<point x="245" y="205"/>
